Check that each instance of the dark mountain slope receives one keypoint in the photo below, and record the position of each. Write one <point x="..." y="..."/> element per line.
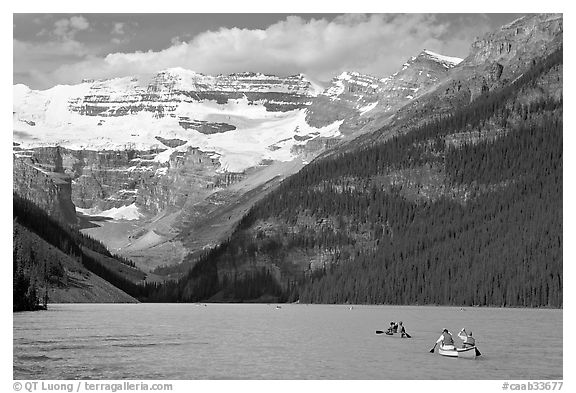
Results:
<point x="42" y="268"/>
<point x="462" y="209"/>
<point x="51" y="257"/>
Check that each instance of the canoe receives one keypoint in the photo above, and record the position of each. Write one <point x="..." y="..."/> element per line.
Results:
<point x="397" y="335"/>
<point x="466" y="353"/>
<point x="387" y="334"/>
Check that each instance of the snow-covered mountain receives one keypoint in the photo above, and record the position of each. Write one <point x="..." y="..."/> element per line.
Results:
<point x="184" y="155"/>
<point x="242" y="119"/>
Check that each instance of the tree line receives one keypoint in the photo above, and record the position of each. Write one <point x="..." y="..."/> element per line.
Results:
<point x="67" y="239"/>
<point x="501" y="246"/>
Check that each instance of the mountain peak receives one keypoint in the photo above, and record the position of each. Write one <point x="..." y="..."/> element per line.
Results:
<point x="449" y="60"/>
<point x="347" y="75"/>
<point x="180" y="71"/>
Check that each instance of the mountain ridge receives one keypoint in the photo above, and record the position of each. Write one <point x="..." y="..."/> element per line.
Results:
<point x="418" y="219"/>
<point x="144" y="154"/>
<point x="425" y="209"/>
<point x="217" y="208"/>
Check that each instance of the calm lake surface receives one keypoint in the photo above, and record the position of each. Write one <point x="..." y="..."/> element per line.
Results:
<point x="259" y="341"/>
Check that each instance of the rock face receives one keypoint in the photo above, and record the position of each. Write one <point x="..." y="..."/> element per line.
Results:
<point x="45" y="185"/>
<point x="495" y="60"/>
<point x="503" y="55"/>
<point x="518" y="42"/>
<point x="508" y="52"/>
<point x="359" y="99"/>
<point x="102" y="180"/>
<point x="164" y="93"/>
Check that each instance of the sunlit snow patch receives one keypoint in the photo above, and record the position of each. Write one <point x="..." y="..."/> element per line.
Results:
<point x="367" y="108"/>
<point x="444" y="59"/>
<point x="128" y="213"/>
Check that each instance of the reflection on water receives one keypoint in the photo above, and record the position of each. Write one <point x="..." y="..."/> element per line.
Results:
<point x="258" y="341"/>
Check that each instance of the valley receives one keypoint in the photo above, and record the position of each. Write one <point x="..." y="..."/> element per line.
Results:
<point x="171" y="187"/>
<point x="369" y="189"/>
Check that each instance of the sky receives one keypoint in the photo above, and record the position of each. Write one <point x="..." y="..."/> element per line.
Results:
<point x="50" y="49"/>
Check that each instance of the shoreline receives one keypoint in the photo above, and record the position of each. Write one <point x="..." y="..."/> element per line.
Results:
<point x="463" y="308"/>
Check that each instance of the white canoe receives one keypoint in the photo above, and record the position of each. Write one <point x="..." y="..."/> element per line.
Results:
<point x="466" y="353"/>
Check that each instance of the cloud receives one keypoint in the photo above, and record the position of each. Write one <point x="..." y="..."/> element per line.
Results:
<point x="374" y="44"/>
<point x="79" y="23"/>
<point x="34" y="62"/>
<point x="67" y="28"/>
<point x="123" y="32"/>
<point x="118" y="28"/>
<point x="26" y="53"/>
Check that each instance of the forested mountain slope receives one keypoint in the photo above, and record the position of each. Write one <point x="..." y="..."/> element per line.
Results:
<point x="56" y="263"/>
<point x="464" y="208"/>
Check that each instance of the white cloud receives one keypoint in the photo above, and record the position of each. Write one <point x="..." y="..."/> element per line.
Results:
<point x="118" y="28"/>
<point x="34" y="61"/>
<point x="66" y="29"/>
<point x="79" y="23"/>
<point x="27" y="53"/>
<point x="375" y="44"/>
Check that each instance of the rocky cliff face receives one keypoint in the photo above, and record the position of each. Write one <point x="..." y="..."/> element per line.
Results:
<point x="45" y="185"/>
<point x="503" y="55"/>
<point x="518" y="42"/>
<point x="166" y="92"/>
<point x="495" y="60"/>
<point x="103" y="180"/>
<point x="362" y="100"/>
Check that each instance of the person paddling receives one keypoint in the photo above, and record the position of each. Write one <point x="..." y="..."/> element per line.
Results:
<point x="401" y="329"/>
<point x="391" y="328"/>
<point x="468" y="340"/>
<point x="446" y="340"/>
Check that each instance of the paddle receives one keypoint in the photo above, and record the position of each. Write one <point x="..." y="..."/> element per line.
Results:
<point x="383" y="332"/>
<point x="433" y="348"/>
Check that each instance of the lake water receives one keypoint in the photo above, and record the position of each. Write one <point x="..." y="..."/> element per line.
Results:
<point x="259" y="341"/>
